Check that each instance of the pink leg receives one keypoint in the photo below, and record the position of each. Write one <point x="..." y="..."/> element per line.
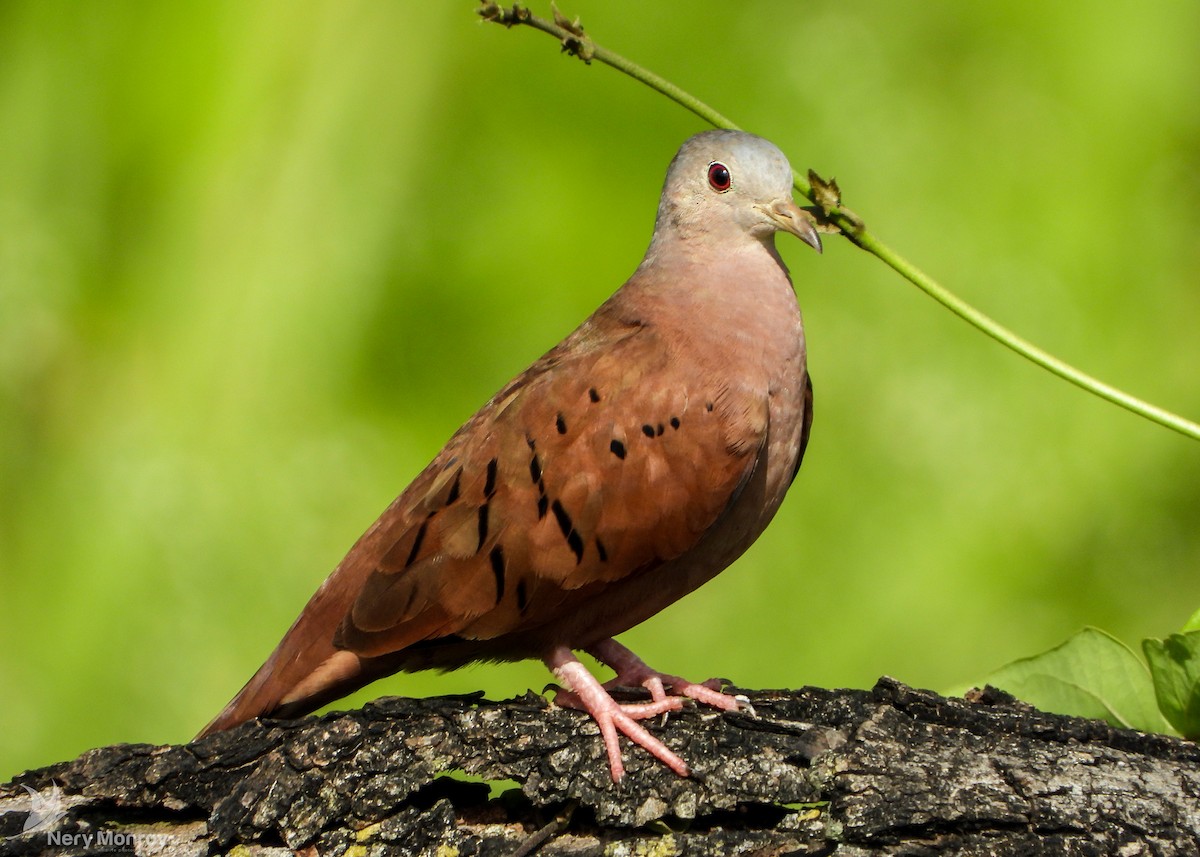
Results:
<point x="612" y="717"/>
<point x="633" y="672"/>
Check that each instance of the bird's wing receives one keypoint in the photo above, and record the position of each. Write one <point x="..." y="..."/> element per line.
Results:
<point x="606" y="457"/>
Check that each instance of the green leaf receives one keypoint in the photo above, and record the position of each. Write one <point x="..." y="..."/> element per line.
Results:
<point x="1193" y="624"/>
<point x="1092" y="674"/>
<point x="1175" y="667"/>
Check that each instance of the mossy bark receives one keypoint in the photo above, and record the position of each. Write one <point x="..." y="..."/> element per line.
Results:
<point x="887" y="771"/>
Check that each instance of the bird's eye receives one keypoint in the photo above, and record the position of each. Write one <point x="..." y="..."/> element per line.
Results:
<point x="718" y="177"/>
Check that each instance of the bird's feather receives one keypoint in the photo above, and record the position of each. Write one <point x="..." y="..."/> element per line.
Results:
<point x="627" y="466"/>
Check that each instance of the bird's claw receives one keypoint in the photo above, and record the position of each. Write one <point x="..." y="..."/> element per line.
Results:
<point x="632" y="671"/>
<point x="743" y="704"/>
<point x="634" y="710"/>
<point x="585" y="693"/>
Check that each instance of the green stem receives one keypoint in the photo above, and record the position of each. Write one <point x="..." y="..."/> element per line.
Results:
<point x="1020" y="345"/>
<point x="573" y="40"/>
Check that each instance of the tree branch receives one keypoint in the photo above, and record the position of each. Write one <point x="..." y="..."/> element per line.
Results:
<point x="813" y="771"/>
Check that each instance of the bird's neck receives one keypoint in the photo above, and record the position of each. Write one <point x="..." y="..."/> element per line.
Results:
<point x="710" y="294"/>
<point x="701" y="266"/>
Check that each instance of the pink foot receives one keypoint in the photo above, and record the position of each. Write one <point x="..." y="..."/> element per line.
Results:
<point x="632" y="671"/>
<point x="584" y="692"/>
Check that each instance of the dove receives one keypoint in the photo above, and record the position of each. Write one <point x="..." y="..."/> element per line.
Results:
<point x="630" y="464"/>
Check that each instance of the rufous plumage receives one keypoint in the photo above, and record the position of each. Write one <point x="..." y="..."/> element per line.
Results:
<point x="630" y="464"/>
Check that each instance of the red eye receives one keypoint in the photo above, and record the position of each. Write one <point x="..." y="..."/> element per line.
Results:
<point x="718" y="177"/>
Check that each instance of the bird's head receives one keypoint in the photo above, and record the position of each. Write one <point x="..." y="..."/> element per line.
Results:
<point x="727" y="185"/>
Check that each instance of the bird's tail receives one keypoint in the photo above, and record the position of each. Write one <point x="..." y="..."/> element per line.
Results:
<point x="304" y="672"/>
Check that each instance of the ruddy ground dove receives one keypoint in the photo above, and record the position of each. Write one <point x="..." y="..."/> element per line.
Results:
<point x="629" y="465"/>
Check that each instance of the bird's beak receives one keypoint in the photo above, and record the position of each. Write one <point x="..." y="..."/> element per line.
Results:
<point x="790" y="217"/>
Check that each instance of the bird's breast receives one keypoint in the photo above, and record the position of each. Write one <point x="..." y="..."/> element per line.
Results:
<point x="741" y="337"/>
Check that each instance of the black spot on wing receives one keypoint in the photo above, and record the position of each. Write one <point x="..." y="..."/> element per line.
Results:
<point x="497" y="558"/>
<point x="489" y="487"/>
<point x="564" y="520"/>
<point x="416" y="548"/>
<point x="535" y="474"/>
<point x="574" y="540"/>
<point x="617" y="448"/>
<point x="453" y="495"/>
<point x="483" y="526"/>
<point x="575" y="543"/>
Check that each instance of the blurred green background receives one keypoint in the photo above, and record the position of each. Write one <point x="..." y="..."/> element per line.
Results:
<point x="259" y="260"/>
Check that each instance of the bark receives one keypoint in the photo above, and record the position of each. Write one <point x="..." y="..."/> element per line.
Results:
<point x="887" y="771"/>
